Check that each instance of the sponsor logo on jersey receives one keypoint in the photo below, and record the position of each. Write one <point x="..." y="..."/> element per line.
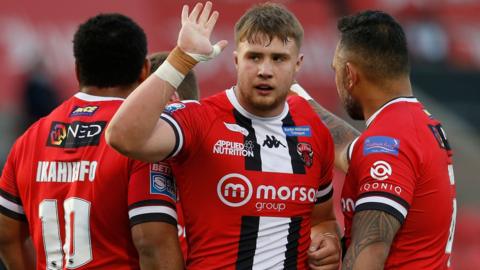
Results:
<point x="380" y="170"/>
<point x="75" y="134"/>
<point x="223" y="147"/>
<point x="381" y="186"/>
<point x="271" y="142"/>
<point x="381" y="144"/>
<point x="66" y="172"/>
<point x="237" y="128"/>
<point x="162" y="181"/>
<point x="348" y="205"/>
<point x="170" y="108"/>
<point x="301" y="131"/>
<point x="306" y="153"/>
<point x="83" y="111"/>
<point x="236" y="190"/>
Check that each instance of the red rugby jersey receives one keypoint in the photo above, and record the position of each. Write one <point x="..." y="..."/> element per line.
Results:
<point x="78" y="195"/>
<point x="402" y="164"/>
<point x="248" y="184"/>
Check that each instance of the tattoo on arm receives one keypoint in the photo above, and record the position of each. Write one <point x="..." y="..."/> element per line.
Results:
<point x="374" y="230"/>
<point x="342" y="132"/>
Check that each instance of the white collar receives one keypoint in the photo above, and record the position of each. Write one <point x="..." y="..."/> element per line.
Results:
<point x="87" y="97"/>
<point x="393" y="101"/>
<point x="234" y="101"/>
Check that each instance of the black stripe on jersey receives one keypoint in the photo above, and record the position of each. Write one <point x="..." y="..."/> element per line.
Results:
<point x="386" y="195"/>
<point x="248" y="242"/>
<point x="298" y="166"/>
<point x="291" y="254"/>
<point x="325" y="197"/>
<point x="9" y="213"/>
<point x="151" y="202"/>
<point x="381" y="207"/>
<point x="158" y="217"/>
<point x="177" y="136"/>
<point x="10" y="197"/>
<point x="251" y="163"/>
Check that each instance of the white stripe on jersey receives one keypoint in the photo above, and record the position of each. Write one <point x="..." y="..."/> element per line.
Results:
<point x="378" y="199"/>
<point x="274" y="148"/>
<point x="179" y="130"/>
<point x="272" y="243"/>
<point x="152" y="210"/>
<point x="11" y="206"/>
<point x="324" y="191"/>
<point x="350" y="148"/>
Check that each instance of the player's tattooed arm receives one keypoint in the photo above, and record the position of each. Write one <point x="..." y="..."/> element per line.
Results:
<point x="372" y="234"/>
<point x="342" y="132"/>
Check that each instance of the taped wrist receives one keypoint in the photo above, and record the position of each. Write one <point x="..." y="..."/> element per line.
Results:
<point x="174" y="69"/>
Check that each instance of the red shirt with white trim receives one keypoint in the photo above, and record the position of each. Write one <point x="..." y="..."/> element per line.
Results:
<point x="402" y="164"/>
<point x="79" y="196"/>
<point x="248" y="184"/>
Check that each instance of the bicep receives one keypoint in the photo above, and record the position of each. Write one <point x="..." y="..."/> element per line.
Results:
<point x="372" y="234"/>
<point x="159" y="145"/>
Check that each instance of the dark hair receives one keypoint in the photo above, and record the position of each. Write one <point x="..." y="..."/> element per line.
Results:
<point x="188" y="89"/>
<point x="109" y="50"/>
<point x="272" y="20"/>
<point x="377" y="42"/>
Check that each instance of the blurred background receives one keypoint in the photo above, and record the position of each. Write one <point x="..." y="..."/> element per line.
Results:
<point x="37" y="69"/>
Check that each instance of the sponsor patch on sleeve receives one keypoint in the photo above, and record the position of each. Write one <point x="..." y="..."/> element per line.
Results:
<point x="300" y="131"/>
<point x="162" y="181"/>
<point x="381" y="144"/>
<point x="170" y="108"/>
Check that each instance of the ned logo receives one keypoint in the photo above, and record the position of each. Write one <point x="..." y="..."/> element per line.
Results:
<point x="75" y="134"/>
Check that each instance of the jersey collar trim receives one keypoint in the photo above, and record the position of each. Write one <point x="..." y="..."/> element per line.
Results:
<point x="87" y="97"/>
<point x="393" y="101"/>
<point x="233" y="100"/>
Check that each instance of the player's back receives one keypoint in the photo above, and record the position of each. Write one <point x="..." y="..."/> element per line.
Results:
<point x="73" y="188"/>
<point x="402" y="164"/>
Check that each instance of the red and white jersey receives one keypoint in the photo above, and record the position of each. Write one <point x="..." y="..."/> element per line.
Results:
<point x="79" y="196"/>
<point x="402" y="164"/>
<point x="248" y="184"/>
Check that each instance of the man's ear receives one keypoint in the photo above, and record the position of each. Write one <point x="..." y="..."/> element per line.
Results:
<point x="145" y="70"/>
<point x="235" y="59"/>
<point x="352" y="76"/>
<point x="299" y="62"/>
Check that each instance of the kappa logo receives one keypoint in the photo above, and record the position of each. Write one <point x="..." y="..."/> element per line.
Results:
<point x="306" y="153"/>
<point x="380" y="170"/>
<point x="237" y="128"/>
<point x="271" y="142"/>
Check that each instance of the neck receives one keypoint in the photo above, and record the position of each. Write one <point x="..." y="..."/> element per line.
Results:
<point x="120" y="92"/>
<point x="379" y="94"/>
<point x="273" y="111"/>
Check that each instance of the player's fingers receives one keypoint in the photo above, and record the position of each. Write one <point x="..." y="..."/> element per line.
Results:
<point x="205" y="13"/>
<point x="196" y="10"/>
<point x="184" y="14"/>
<point x="328" y="260"/>
<point x="222" y="44"/>
<point x="212" y="21"/>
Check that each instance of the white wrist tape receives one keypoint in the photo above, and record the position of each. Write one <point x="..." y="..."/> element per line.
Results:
<point x="169" y="74"/>
<point x="300" y="91"/>
<point x="202" y="58"/>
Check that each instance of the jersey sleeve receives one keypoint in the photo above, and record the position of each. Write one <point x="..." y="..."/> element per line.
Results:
<point x="151" y="193"/>
<point x="10" y="202"/>
<point x="184" y="118"/>
<point x="325" y="190"/>
<point x="386" y="176"/>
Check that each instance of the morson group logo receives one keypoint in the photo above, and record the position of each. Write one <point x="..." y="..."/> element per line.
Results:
<point x="75" y="134"/>
<point x="236" y="190"/>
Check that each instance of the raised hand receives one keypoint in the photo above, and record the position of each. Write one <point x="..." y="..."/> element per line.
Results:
<point x="194" y="37"/>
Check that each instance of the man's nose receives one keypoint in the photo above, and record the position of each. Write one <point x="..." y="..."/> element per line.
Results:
<point x="265" y="69"/>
